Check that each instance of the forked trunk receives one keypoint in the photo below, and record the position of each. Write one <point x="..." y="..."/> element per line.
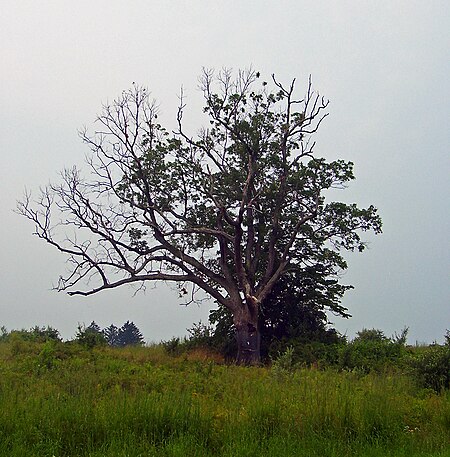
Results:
<point x="248" y="340"/>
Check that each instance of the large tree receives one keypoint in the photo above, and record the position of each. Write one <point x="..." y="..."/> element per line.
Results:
<point x="228" y="211"/>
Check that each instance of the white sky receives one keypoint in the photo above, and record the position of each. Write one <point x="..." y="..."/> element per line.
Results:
<point x="385" y="66"/>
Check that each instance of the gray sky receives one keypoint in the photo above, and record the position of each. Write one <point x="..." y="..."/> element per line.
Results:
<point x="385" y="66"/>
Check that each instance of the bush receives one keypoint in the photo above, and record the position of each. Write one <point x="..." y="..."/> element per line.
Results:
<point x="35" y="334"/>
<point x="202" y="343"/>
<point x="372" y="335"/>
<point x="371" y="350"/>
<point x="200" y="335"/>
<point x="3" y="333"/>
<point x="172" y="346"/>
<point x="90" y="336"/>
<point x="308" y="353"/>
<point x="431" y="367"/>
<point x="284" y="363"/>
<point x="47" y="357"/>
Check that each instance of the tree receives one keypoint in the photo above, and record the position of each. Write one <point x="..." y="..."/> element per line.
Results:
<point x="93" y="327"/>
<point x="111" y="335"/>
<point x="129" y="335"/>
<point x="90" y="336"/>
<point x="228" y="212"/>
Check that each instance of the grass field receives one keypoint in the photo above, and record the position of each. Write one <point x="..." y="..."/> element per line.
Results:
<point x="58" y="399"/>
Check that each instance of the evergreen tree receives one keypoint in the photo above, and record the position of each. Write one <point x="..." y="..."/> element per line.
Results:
<point x="93" y="327"/>
<point x="111" y="335"/>
<point x="129" y="334"/>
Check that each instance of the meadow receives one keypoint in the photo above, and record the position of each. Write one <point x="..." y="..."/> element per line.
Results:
<point x="62" y="399"/>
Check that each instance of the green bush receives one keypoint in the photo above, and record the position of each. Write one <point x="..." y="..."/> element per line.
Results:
<point x="172" y="346"/>
<point x="90" y="337"/>
<point x="308" y="353"/>
<point x="284" y="363"/>
<point x="201" y="336"/>
<point x="3" y="333"/>
<point x="431" y="367"/>
<point x="372" y="335"/>
<point x="47" y="358"/>
<point x="371" y="350"/>
<point x="370" y="355"/>
<point x="35" y="334"/>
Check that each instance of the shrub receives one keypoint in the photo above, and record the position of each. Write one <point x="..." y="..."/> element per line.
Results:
<point x="200" y="335"/>
<point x="284" y="363"/>
<point x="308" y="353"/>
<point x="44" y="334"/>
<point x="371" y="350"/>
<point x="172" y="346"/>
<point x="47" y="357"/>
<point x="431" y="367"/>
<point x="370" y="335"/>
<point x="90" y="336"/>
<point x="35" y="334"/>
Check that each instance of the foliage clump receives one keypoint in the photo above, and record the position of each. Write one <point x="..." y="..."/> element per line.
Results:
<point x="284" y="363"/>
<point x="90" y="336"/>
<point x="35" y="334"/>
<point x="200" y="337"/>
<point x="371" y="350"/>
<point x="431" y="366"/>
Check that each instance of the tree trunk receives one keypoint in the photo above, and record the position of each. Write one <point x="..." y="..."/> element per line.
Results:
<point x="248" y="339"/>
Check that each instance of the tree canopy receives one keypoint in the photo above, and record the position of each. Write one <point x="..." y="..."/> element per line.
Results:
<point x="229" y="211"/>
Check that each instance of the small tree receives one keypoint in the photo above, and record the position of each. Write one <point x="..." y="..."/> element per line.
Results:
<point x="129" y="335"/>
<point x="228" y="212"/>
<point x="90" y="336"/>
<point x="93" y="327"/>
<point x="111" y="335"/>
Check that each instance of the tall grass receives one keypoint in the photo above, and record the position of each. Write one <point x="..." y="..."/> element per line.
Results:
<point x="61" y="400"/>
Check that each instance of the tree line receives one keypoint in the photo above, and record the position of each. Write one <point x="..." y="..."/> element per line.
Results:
<point x="92" y="335"/>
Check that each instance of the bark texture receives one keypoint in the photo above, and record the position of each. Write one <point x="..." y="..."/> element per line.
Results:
<point x="247" y="336"/>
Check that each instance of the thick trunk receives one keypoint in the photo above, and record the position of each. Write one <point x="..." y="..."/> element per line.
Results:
<point x="248" y="339"/>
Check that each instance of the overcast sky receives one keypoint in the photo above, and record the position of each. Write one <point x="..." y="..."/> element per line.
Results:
<point x="384" y="65"/>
